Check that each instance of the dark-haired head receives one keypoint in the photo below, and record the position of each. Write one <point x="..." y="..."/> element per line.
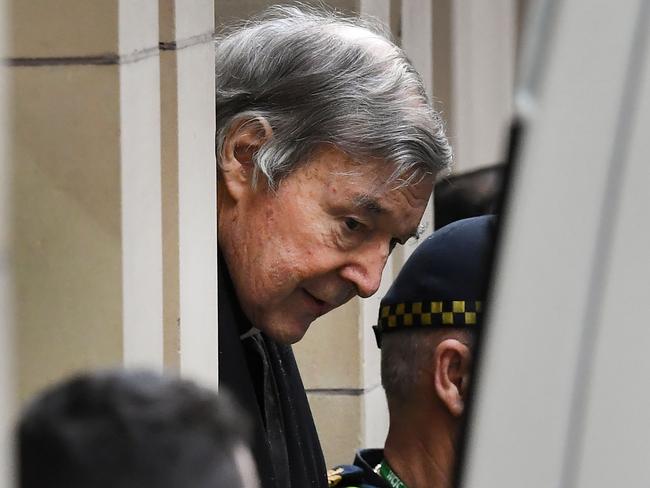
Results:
<point x="126" y="430"/>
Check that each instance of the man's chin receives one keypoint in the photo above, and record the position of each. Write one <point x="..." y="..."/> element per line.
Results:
<point x="285" y="333"/>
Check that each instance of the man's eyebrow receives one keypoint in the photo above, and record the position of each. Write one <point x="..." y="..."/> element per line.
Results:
<point x="369" y="204"/>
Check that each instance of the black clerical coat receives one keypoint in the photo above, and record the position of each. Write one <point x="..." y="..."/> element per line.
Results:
<point x="291" y="457"/>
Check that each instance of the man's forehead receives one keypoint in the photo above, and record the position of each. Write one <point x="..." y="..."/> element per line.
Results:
<point x="377" y="178"/>
<point x="375" y="184"/>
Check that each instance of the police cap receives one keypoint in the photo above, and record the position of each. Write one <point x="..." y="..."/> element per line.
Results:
<point x="444" y="281"/>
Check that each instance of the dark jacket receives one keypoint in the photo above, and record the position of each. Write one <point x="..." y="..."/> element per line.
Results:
<point x="362" y="473"/>
<point x="367" y="459"/>
<point x="288" y="454"/>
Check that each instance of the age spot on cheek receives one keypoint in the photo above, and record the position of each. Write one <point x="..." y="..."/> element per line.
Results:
<point x="269" y="213"/>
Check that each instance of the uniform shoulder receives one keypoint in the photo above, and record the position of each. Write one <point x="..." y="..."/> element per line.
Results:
<point x="359" y="475"/>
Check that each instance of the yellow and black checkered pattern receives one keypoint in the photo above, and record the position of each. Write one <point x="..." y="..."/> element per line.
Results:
<point x="454" y="313"/>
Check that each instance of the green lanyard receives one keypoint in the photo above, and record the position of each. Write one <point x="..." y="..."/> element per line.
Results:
<point x="390" y="476"/>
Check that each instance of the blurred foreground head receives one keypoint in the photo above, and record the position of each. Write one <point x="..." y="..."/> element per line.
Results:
<point x="132" y="430"/>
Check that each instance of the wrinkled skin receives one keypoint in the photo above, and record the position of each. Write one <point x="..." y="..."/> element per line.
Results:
<point x="323" y="237"/>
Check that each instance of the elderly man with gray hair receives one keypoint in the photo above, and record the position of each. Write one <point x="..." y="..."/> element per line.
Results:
<point x="327" y="150"/>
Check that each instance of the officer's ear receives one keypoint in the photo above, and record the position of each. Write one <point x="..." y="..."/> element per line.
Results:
<point x="236" y="164"/>
<point x="452" y="361"/>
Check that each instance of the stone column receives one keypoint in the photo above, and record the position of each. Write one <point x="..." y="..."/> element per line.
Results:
<point x="417" y="42"/>
<point x="85" y="118"/>
<point x="6" y="309"/>
<point x="189" y="188"/>
<point x="483" y="36"/>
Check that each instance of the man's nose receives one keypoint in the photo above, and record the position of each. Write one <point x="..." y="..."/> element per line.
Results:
<point x="365" y="267"/>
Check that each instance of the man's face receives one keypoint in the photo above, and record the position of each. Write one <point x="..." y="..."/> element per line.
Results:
<point x="320" y="239"/>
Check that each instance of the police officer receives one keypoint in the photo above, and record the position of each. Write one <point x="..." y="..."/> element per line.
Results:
<point x="426" y="331"/>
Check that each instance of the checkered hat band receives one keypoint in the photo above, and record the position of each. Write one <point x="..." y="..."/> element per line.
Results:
<point x="453" y="313"/>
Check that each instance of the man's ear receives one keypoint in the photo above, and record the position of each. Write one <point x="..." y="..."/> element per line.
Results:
<point x="243" y="141"/>
<point x="452" y="368"/>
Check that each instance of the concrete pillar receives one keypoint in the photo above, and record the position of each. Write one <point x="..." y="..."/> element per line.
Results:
<point x="6" y="309"/>
<point x="417" y="42"/>
<point x="85" y="118"/>
<point x="482" y="72"/>
<point x="442" y="62"/>
<point x="377" y="9"/>
<point x="189" y="188"/>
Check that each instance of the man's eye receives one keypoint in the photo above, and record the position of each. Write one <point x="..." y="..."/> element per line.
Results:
<point x="352" y="224"/>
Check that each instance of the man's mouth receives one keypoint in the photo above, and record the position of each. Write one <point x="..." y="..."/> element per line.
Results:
<point x="318" y="306"/>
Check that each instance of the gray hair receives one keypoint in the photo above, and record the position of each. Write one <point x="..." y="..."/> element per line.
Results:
<point x="406" y="354"/>
<point x="319" y="78"/>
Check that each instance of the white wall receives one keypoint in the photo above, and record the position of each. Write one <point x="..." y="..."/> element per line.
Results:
<point x="561" y="397"/>
<point x="189" y="189"/>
